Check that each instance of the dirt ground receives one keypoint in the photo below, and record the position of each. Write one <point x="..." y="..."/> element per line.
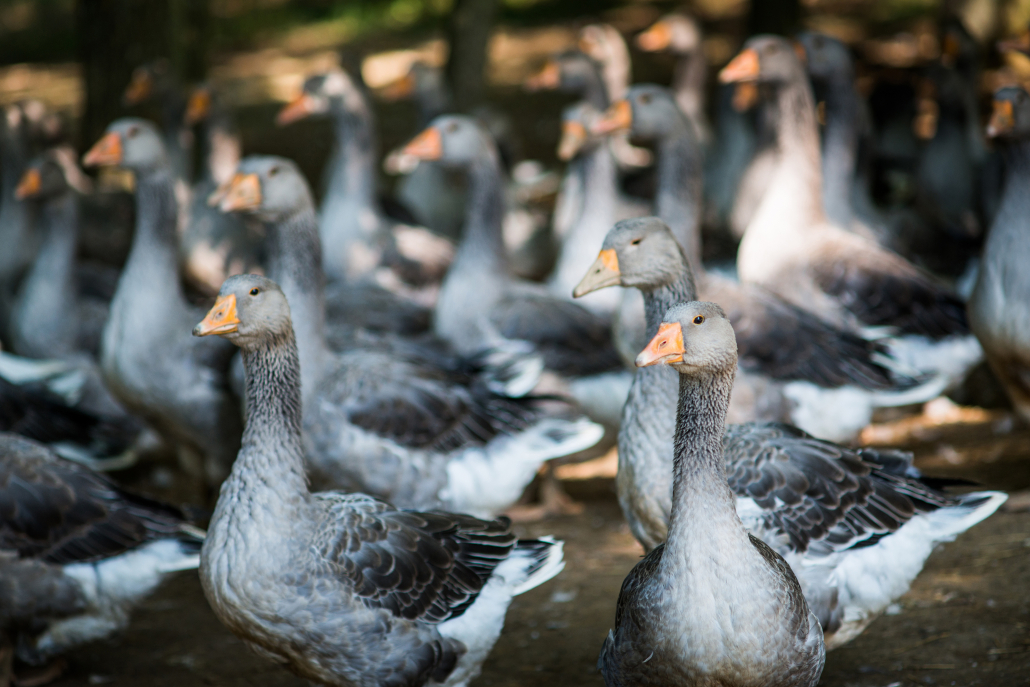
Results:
<point x="964" y="622"/>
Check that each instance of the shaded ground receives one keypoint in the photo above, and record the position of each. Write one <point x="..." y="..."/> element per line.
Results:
<point x="964" y="622"/>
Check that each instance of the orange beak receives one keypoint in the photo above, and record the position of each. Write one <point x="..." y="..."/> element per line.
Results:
<point x="139" y="88"/>
<point x="428" y="145"/>
<point x="106" y="152"/>
<point x="220" y="319"/>
<point x="198" y="106"/>
<point x="743" y="67"/>
<point x="302" y="106"/>
<point x="618" y="117"/>
<point x="655" y="38"/>
<point x="666" y="346"/>
<point x="243" y="193"/>
<point x="604" y="272"/>
<point x="399" y="89"/>
<point x="745" y="95"/>
<point x="573" y="137"/>
<point x="29" y="185"/>
<point x="547" y="79"/>
<point x="1003" y="120"/>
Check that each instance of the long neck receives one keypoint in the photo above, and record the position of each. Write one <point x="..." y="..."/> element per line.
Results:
<point x="355" y="175"/>
<point x="153" y="258"/>
<point x="295" y="262"/>
<point x="1017" y="173"/>
<point x="594" y="90"/>
<point x="482" y="247"/>
<point x="221" y="149"/>
<point x="700" y="494"/>
<point x="271" y="458"/>
<point x="688" y="83"/>
<point x="56" y="257"/>
<point x="840" y="147"/>
<point x="678" y="200"/>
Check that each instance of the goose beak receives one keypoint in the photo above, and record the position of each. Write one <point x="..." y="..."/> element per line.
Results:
<point x="221" y="319"/>
<point x="106" y="152"/>
<point x="29" y="185"/>
<point x="618" y="117"/>
<point x="666" y="346"/>
<point x="655" y="38"/>
<point x="573" y="137"/>
<point x="604" y="272"/>
<point x="1002" y="119"/>
<point x="302" y="106"/>
<point x="428" y="145"/>
<point x="243" y="193"/>
<point x="139" y="88"/>
<point x="198" y="107"/>
<point x="743" y="67"/>
<point x="547" y="79"/>
<point x="399" y="89"/>
<point x="745" y="95"/>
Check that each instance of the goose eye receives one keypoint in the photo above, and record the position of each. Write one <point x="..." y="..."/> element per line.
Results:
<point x="255" y="291"/>
<point x="272" y="172"/>
<point x="771" y="49"/>
<point x="635" y="242"/>
<point x="645" y="98"/>
<point x="699" y="319"/>
<point x="132" y="132"/>
<point x="452" y="127"/>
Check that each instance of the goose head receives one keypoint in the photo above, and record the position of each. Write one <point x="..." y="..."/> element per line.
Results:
<point x="570" y="72"/>
<point x="824" y="57"/>
<point x="648" y="112"/>
<point x="764" y="59"/>
<point x="250" y="311"/>
<point x="332" y="92"/>
<point x="421" y="80"/>
<point x="675" y="33"/>
<point x="452" y="140"/>
<point x="199" y="105"/>
<point x="1010" y="115"/>
<point x="129" y="143"/>
<point x="52" y="174"/>
<point x="268" y="187"/>
<point x="694" y="337"/>
<point x="576" y="121"/>
<point x="639" y="252"/>
<point x="148" y="81"/>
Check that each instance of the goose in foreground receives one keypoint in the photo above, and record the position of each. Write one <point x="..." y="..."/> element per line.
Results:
<point x="870" y="503"/>
<point x="50" y="318"/>
<point x="792" y="249"/>
<point x="175" y="383"/>
<point x="77" y="553"/>
<point x="713" y="605"/>
<point x="341" y="588"/>
<point x="997" y="308"/>
<point x="357" y="238"/>
<point x="398" y="420"/>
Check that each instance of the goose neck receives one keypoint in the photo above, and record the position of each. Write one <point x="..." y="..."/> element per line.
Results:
<point x="595" y="92"/>
<point x="60" y="216"/>
<point x="482" y="247"/>
<point x="295" y="263"/>
<point x="355" y="173"/>
<point x="688" y="83"/>
<point x="597" y="169"/>
<point x="153" y="257"/>
<point x="221" y="150"/>
<point x="678" y="198"/>
<point x="271" y="453"/>
<point x="658" y="300"/>
<point x="840" y="147"/>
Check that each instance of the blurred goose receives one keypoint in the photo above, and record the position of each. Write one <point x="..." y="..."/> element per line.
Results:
<point x="176" y="383"/>
<point x="774" y="468"/>
<point x="341" y="588"/>
<point x="156" y="82"/>
<point x="77" y="553"/>
<point x="997" y="308"/>
<point x="713" y="605"/>
<point x="356" y="236"/>
<point x="793" y="250"/>
<point x="389" y="419"/>
<point x="215" y="244"/>
<point x="51" y="319"/>
<point x="481" y="305"/>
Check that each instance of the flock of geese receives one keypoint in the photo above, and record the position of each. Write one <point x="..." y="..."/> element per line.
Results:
<point x="368" y="397"/>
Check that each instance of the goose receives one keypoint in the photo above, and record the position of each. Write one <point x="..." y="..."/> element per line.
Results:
<point x="357" y="238"/>
<point x="215" y="244"/>
<point x="997" y="305"/>
<point x="342" y="588"/>
<point x="761" y="455"/>
<point x="15" y="152"/>
<point x="176" y="384"/>
<point x="50" y="319"/>
<point x="390" y="419"/>
<point x="156" y="82"/>
<point x="482" y="305"/>
<point x="793" y="250"/>
<point x="77" y="553"/>
<point x="713" y="605"/>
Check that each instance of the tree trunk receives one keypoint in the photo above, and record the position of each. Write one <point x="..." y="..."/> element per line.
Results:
<point x="469" y="29"/>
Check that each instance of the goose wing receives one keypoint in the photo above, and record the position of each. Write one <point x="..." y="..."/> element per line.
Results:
<point x="818" y="496"/>
<point x="427" y="566"/>
<point x="59" y="512"/>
